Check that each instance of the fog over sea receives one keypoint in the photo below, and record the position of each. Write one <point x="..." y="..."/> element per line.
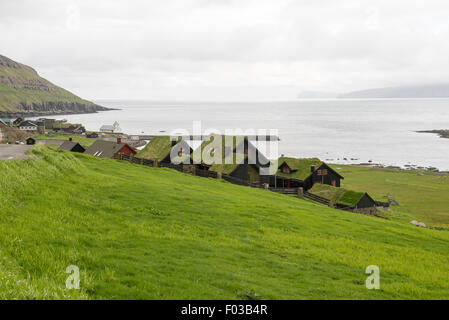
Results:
<point x="381" y="130"/>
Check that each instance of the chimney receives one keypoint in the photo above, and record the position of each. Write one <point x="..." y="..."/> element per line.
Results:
<point x="312" y="168"/>
<point x="70" y="139"/>
<point x="119" y="140"/>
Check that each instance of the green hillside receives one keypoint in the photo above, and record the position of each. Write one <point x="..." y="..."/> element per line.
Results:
<point x="141" y="232"/>
<point x="23" y="90"/>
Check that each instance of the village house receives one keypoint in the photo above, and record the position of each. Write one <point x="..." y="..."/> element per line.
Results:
<point x="28" y="125"/>
<point x="304" y="173"/>
<point x="92" y="135"/>
<point x="47" y="123"/>
<point x="18" y="121"/>
<point x="72" y="146"/>
<point x="75" y="129"/>
<point x="107" y="149"/>
<point x="30" y="141"/>
<point x="160" y="147"/>
<point x="340" y="198"/>
<point x="6" y="122"/>
<point x="243" y="161"/>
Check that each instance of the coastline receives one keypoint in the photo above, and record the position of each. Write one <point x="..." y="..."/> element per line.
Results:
<point x="28" y="115"/>
<point x="442" y="133"/>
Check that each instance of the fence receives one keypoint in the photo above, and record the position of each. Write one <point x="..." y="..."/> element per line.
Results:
<point x="127" y="157"/>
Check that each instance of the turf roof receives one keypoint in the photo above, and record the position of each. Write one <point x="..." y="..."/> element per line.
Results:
<point x="301" y="165"/>
<point x="229" y="156"/>
<point x="337" y="195"/>
<point x="158" y="148"/>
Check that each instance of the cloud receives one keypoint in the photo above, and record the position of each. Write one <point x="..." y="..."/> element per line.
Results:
<point x="159" y="49"/>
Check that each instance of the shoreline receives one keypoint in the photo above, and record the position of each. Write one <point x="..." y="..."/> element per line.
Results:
<point x="27" y="115"/>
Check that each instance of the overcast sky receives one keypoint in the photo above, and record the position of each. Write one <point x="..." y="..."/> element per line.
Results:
<point x="226" y="49"/>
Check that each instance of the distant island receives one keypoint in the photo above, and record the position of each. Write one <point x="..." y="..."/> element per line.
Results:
<point x="24" y="93"/>
<point x="444" y="133"/>
<point x="421" y="91"/>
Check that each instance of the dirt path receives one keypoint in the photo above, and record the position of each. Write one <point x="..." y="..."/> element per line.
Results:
<point x="13" y="151"/>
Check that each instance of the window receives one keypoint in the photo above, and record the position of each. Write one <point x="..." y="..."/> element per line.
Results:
<point x="322" y="172"/>
<point x="286" y="170"/>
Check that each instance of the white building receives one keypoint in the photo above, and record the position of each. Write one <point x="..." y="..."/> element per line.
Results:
<point x="115" y="128"/>
<point x="28" y="126"/>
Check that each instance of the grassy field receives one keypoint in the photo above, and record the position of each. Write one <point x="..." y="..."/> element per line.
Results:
<point x="421" y="197"/>
<point x="142" y="232"/>
<point x="82" y="140"/>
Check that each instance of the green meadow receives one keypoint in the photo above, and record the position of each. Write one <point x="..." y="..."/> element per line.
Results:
<point x="138" y="232"/>
<point x="422" y="195"/>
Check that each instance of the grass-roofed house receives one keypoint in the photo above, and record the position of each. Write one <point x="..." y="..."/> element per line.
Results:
<point x="160" y="148"/>
<point x="341" y="198"/>
<point x="293" y="173"/>
<point x="236" y="157"/>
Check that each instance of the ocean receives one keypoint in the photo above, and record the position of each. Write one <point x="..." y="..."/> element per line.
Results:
<point x="339" y="131"/>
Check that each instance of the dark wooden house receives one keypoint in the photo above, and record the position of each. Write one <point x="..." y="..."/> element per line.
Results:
<point x="92" y="135"/>
<point x="341" y="198"/>
<point x="241" y="161"/>
<point x="365" y="202"/>
<point x="293" y="173"/>
<point x="107" y="149"/>
<point x="30" y="141"/>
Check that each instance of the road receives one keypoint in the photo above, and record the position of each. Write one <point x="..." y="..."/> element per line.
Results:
<point x="13" y="151"/>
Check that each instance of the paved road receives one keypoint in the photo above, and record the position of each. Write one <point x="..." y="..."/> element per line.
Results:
<point x="13" y="151"/>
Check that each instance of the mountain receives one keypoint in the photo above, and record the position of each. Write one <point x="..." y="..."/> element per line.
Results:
<point x="423" y="91"/>
<point x="24" y="92"/>
<point x="317" y="95"/>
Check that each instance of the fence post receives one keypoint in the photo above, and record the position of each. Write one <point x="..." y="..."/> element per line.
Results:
<point x="301" y="193"/>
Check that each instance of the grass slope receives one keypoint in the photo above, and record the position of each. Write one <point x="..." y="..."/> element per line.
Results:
<point x="142" y="232"/>
<point x="421" y="197"/>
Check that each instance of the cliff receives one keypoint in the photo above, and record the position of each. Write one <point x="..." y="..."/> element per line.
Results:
<point x="24" y="92"/>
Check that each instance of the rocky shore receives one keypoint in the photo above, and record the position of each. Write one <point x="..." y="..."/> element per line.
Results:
<point x="55" y="108"/>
